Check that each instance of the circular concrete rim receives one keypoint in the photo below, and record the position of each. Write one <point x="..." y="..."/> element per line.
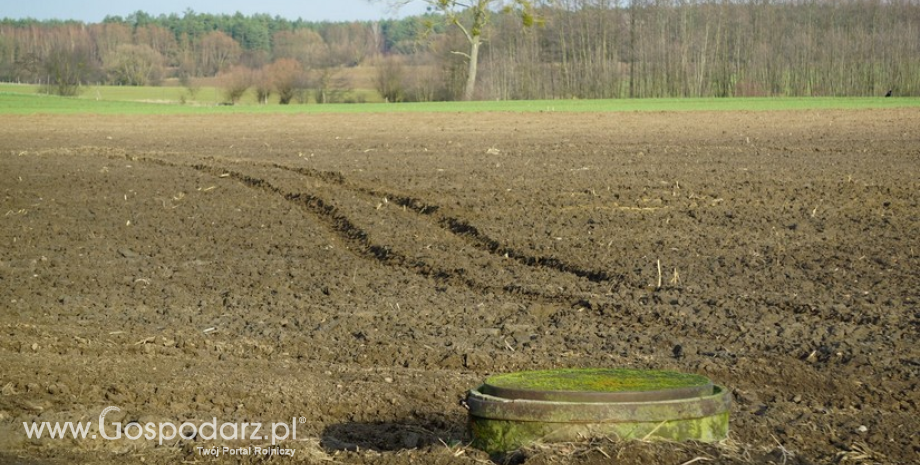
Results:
<point x="504" y="386"/>
<point x="496" y="408"/>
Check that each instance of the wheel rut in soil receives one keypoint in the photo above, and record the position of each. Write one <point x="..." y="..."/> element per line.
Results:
<point x="459" y="227"/>
<point x="453" y="242"/>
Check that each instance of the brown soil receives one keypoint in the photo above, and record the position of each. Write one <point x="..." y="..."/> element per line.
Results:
<point x="360" y="273"/>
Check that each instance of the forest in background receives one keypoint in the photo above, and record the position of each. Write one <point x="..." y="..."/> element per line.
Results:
<point x="575" y="49"/>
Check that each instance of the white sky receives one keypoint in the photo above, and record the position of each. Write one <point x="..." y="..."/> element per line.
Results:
<point x="93" y="11"/>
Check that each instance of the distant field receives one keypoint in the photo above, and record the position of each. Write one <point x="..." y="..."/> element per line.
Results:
<point x="206" y="95"/>
<point x="24" y="99"/>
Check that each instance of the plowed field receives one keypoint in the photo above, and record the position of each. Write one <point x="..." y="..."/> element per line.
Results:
<point x="357" y="274"/>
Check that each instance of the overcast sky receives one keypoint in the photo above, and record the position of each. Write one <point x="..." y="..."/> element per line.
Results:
<point x="93" y="11"/>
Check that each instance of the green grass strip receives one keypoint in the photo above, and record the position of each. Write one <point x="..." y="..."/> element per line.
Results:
<point x="138" y="101"/>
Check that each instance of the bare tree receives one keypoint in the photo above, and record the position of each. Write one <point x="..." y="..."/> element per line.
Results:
<point x="329" y="85"/>
<point x="472" y="17"/>
<point x="304" y="45"/>
<point x="287" y="78"/>
<point x="134" y="65"/>
<point x="262" y="83"/>
<point x="390" y="78"/>
<point x="66" y="68"/>
<point x="216" y="52"/>
<point x="236" y="83"/>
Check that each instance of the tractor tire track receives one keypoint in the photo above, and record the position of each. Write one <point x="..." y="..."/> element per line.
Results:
<point x="448" y="267"/>
<point x="458" y="226"/>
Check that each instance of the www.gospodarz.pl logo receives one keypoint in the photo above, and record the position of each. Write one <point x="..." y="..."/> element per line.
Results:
<point x="166" y="431"/>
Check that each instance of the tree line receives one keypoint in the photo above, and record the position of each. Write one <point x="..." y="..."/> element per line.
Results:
<point x="566" y="49"/>
<point x="142" y="49"/>
<point x="712" y="48"/>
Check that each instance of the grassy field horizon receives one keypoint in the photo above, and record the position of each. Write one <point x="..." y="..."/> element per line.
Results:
<point x="24" y="99"/>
